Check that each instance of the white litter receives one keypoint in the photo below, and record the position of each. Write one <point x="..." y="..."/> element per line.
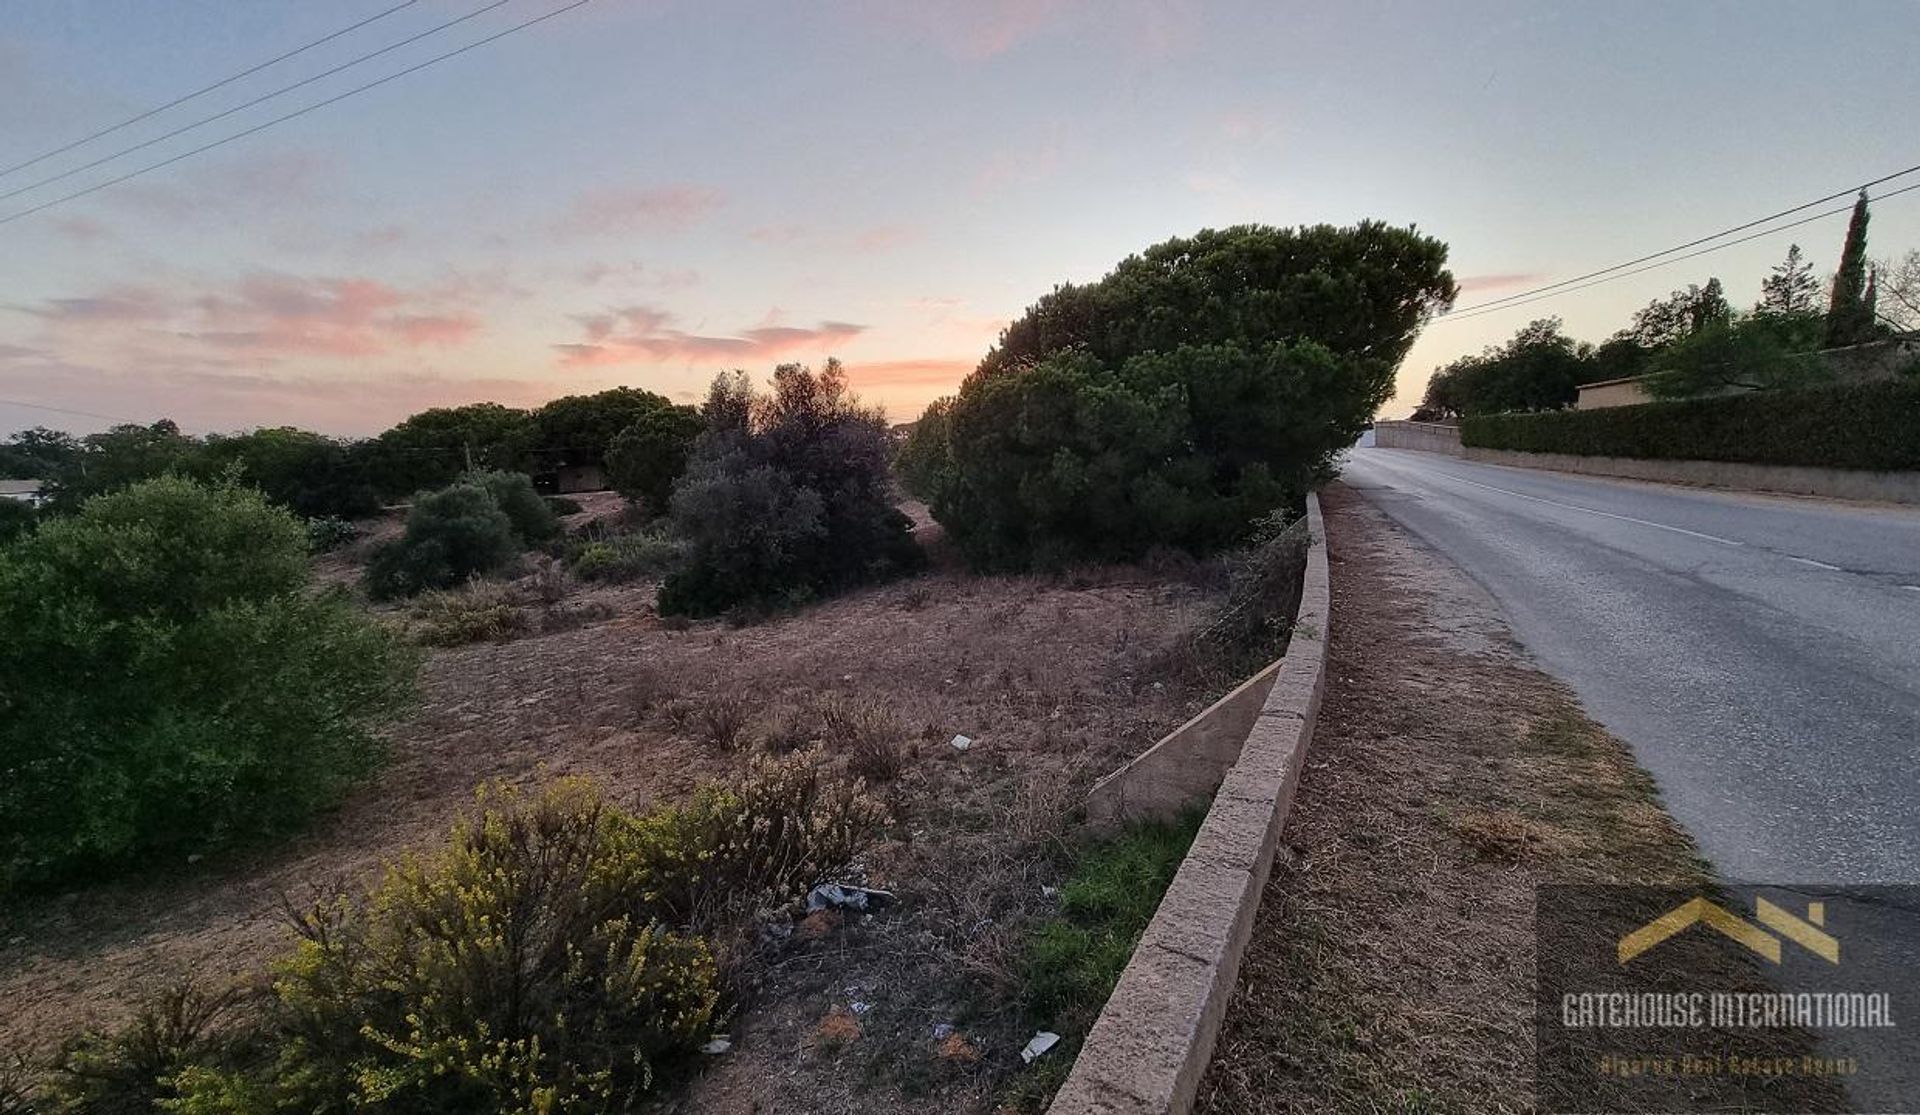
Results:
<point x="860" y="1007"/>
<point x="718" y="1045"/>
<point x="1040" y="1043"/>
<point x="961" y="743"/>
<point x="942" y="1030"/>
<point x="845" y="897"/>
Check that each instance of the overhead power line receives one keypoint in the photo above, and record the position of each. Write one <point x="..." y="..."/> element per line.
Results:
<point x="264" y="97"/>
<point x="1528" y="295"/>
<point x="1481" y="311"/>
<point x="63" y="410"/>
<point x="335" y="99"/>
<point x="205" y="89"/>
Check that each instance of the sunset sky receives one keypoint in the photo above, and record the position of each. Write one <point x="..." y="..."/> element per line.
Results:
<point x="639" y="192"/>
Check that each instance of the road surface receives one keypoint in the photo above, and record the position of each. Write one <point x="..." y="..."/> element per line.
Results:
<point x="1760" y="654"/>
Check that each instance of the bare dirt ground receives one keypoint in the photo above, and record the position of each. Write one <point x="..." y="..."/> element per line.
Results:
<point x="1056" y="679"/>
<point x="1391" y="967"/>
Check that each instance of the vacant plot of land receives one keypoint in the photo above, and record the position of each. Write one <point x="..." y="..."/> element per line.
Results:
<point x="1391" y="968"/>
<point x="1055" y="679"/>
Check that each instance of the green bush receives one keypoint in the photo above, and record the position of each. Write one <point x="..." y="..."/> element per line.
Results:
<point x="1193" y="390"/>
<point x="519" y="970"/>
<point x="16" y="519"/>
<point x="481" y="612"/>
<point x="533" y="520"/>
<point x="786" y="498"/>
<point x="130" y="1071"/>
<point x="173" y="682"/>
<point x="329" y="532"/>
<point x="627" y="557"/>
<point x="452" y="535"/>
<point x="1864" y="426"/>
<point x="645" y="459"/>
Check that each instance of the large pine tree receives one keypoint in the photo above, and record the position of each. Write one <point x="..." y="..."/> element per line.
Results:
<point x="1849" y="317"/>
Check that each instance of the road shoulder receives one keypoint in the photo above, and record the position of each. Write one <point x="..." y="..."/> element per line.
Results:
<point x="1391" y="966"/>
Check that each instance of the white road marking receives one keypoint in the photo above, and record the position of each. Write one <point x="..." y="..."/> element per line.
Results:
<point x="1602" y="514"/>
<point x="1815" y="564"/>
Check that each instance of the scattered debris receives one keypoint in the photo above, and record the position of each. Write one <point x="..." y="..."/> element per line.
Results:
<point x="941" y="1030"/>
<point x="837" y="1028"/>
<point x="1049" y="892"/>
<point x="1038" y="1045"/>
<point x="817" y="925"/>
<point x="957" y="1048"/>
<point x="720" y="1044"/>
<point x="961" y="743"/>
<point x="844" y="897"/>
<point x="859" y="1007"/>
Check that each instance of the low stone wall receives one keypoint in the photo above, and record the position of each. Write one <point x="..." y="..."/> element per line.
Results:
<point x="1433" y="437"/>
<point x="1832" y="483"/>
<point x="1154" y="1037"/>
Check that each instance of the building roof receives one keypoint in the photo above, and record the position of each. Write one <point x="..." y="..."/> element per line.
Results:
<point x="20" y="487"/>
<point x="1609" y="382"/>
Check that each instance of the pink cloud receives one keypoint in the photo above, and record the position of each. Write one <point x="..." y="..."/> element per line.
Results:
<point x="265" y="315"/>
<point x="626" y="209"/>
<point x="644" y="334"/>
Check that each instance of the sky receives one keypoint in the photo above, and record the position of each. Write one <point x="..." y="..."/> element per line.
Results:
<point x="647" y="192"/>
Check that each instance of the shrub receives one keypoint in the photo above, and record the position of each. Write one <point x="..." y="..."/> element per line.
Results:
<point x="645" y="459"/>
<point x="720" y="719"/>
<point x="786" y="498"/>
<point x="520" y="970"/>
<point x="766" y="840"/>
<point x="1864" y="426"/>
<point x="925" y="456"/>
<point x="329" y="532"/>
<point x="1255" y="621"/>
<point x="173" y="681"/>
<point x="872" y="738"/>
<point x="533" y="521"/>
<point x="452" y="535"/>
<point x="1194" y="389"/>
<point x="131" y="1071"/>
<point x="481" y="612"/>
<point x="16" y="519"/>
<point x="627" y="557"/>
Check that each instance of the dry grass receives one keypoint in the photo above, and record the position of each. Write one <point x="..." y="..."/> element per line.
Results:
<point x="868" y="734"/>
<point x="720" y="720"/>
<point x="1053" y="681"/>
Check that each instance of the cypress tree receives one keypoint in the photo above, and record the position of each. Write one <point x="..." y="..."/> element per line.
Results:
<point x="1849" y="320"/>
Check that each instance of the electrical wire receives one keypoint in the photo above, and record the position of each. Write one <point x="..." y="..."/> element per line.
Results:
<point x="335" y="99"/>
<point x="205" y="89"/>
<point x="242" y="107"/>
<point x="1483" y="310"/>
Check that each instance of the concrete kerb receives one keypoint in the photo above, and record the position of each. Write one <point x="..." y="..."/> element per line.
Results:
<point x="1152" y="1041"/>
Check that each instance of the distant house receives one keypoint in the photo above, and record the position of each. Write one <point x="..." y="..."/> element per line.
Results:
<point x="568" y="479"/>
<point x="1611" y="393"/>
<point x="29" y="492"/>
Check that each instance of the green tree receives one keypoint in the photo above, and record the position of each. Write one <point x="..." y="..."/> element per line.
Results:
<point x="533" y="521"/>
<point x="311" y="474"/>
<point x="172" y="682"/>
<point x="923" y="458"/>
<point x="453" y="534"/>
<point x="645" y="459"/>
<point x="37" y="454"/>
<point x="579" y="429"/>
<point x="1849" y="312"/>
<point x="1758" y="352"/>
<point x="1681" y="314"/>
<point x="1199" y="385"/>
<point x="786" y="497"/>
<point x="1540" y="368"/>
<point x="432" y="448"/>
<point x="1791" y="290"/>
<point x="121" y="456"/>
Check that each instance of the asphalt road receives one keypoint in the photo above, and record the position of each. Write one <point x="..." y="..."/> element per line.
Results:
<point x="1760" y="654"/>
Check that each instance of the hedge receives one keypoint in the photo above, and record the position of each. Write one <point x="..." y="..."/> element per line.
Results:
<point x="1862" y="426"/>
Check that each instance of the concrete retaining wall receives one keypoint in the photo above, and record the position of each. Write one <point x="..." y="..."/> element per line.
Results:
<point x="1432" y="437"/>
<point x="1833" y="483"/>
<point x="1153" y="1039"/>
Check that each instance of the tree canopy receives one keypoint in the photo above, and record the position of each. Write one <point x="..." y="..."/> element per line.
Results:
<point x="1198" y="386"/>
